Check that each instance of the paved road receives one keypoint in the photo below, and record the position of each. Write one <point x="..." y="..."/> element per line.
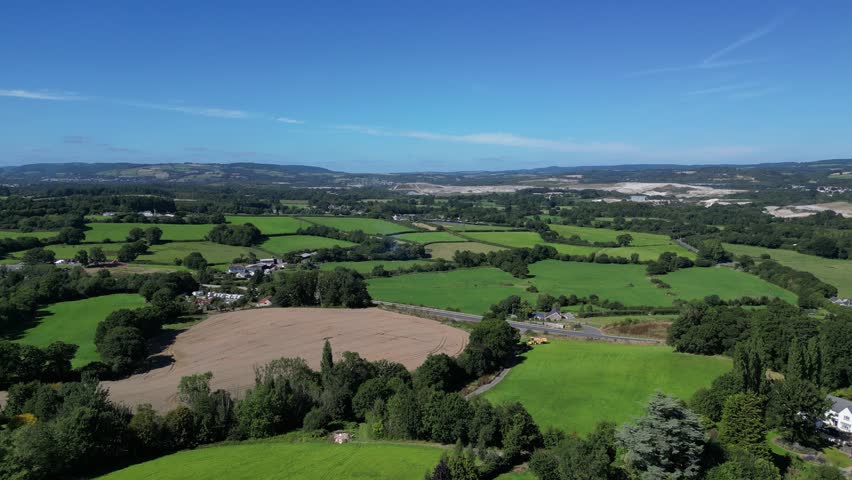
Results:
<point x="587" y="331"/>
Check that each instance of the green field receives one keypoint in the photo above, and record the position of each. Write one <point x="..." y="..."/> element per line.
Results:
<point x="464" y="227"/>
<point x="447" y="250"/>
<point x="273" y="460"/>
<point x="367" y="266"/>
<point x="68" y="251"/>
<point x="696" y="283"/>
<point x="526" y="240"/>
<point x="608" y="235"/>
<point x="429" y="237"/>
<point x="471" y="290"/>
<point x="648" y="252"/>
<point x="17" y="234"/>
<point x="573" y="385"/>
<point x="117" y="232"/>
<point x="166" y="253"/>
<point x="75" y="322"/>
<point x="366" y="225"/>
<point x="623" y="283"/>
<point x="297" y="243"/>
<point x="832" y="271"/>
<point x="270" y="225"/>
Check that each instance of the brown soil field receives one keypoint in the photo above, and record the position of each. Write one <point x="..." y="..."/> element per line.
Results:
<point x="231" y="344"/>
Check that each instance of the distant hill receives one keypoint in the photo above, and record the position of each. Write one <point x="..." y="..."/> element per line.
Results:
<point x="835" y="170"/>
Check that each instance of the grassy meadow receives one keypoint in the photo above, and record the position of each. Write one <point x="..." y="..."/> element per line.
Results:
<point x="429" y="237"/>
<point x="609" y="235"/>
<point x="273" y="460"/>
<point x="165" y="254"/>
<point x="447" y="250"/>
<point x="75" y="322"/>
<point x="526" y="240"/>
<point x="17" y="234"/>
<point x="627" y="284"/>
<point x="117" y="232"/>
<point x="467" y="227"/>
<point x="470" y="290"/>
<point x="574" y="385"/>
<point x="835" y="272"/>
<point x="270" y="225"/>
<point x="366" y="225"/>
<point x="697" y="283"/>
<point x="369" y="265"/>
<point x="297" y="243"/>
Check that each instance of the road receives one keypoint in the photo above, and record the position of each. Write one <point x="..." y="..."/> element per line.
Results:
<point x="587" y="331"/>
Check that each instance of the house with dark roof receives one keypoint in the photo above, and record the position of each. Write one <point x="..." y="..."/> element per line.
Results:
<point x="839" y="415"/>
<point x="554" y="315"/>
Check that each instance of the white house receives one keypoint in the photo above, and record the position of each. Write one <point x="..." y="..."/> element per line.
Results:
<point x="840" y="414"/>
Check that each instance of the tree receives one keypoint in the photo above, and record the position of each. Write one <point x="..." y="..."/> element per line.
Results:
<point x="180" y="427"/>
<point x="153" y="235"/>
<point x="147" y="431"/>
<point x="96" y="255"/>
<point x="667" y="442"/>
<point x="37" y="256"/>
<point x="742" y="465"/>
<point x="624" y="240"/>
<point x="403" y="415"/>
<point x="794" y="407"/>
<point x="71" y="235"/>
<point x="441" y="471"/>
<point x="462" y="465"/>
<point x="491" y="344"/>
<point x="81" y="257"/>
<point x="742" y="424"/>
<point x="195" y="261"/>
<point x="440" y="372"/>
<point x="712" y="250"/>
<point x="821" y="246"/>
<point x="326" y="363"/>
<point x="122" y="348"/>
<point x="135" y="234"/>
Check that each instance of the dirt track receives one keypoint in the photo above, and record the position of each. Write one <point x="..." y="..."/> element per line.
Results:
<point x="231" y="344"/>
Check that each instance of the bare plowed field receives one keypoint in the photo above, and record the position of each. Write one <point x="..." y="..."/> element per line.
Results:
<point x="231" y="344"/>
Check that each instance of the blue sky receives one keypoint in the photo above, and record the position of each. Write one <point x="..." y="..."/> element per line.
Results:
<point x="405" y="85"/>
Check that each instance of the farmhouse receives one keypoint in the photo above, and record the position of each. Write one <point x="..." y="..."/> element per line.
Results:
<point x="843" y="302"/>
<point x="265" y="302"/>
<point x="839" y="416"/>
<point x="554" y="315"/>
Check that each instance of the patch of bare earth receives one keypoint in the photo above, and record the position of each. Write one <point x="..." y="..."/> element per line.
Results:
<point x="653" y="329"/>
<point x="231" y="344"/>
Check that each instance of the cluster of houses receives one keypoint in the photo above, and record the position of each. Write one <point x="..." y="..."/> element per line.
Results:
<point x="265" y="265"/>
<point x="843" y="302"/>
<point x="838" y="419"/>
<point x="204" y="298"/>
<point x="554" y="318"/>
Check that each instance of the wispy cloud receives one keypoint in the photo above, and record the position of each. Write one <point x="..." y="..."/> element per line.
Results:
<point x="290" y="121"/>
<point x="755" y="93"/>
<point x="722" y="89"/>
<point x="715" y="59"/>
<point x="748" y="38"/>
<point x="562" y="146"/>
<point x="190" y="110"/>
<point x="40" y="95"/>
<point x="499" y="139"/>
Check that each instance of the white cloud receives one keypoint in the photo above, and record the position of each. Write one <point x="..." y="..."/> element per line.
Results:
<point x="602" y="148"/>
<point x="290" y="121"/>
<point x="40" y="95"/>
<point x="191" y="110"/>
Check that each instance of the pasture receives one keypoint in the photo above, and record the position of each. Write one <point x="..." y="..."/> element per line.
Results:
<point x="447" y="250"/>
<point x="648" y="252"/>
<point x="270" y="225"/>
<point x="470" y="290"/>
<point x="68" y="251"/>
<point x="627" y="284"/>
<point x="429" y="237"/>
<point x="274" y="460"/>
<point x="696" y="283"/>
<point x="469" y="227"/>
<point x="835" y="272"/>
<point x="366" y="225"/>
<point x="165" y="254"/>
<point x="369" y="265"/>
<point x="75" y="322"/>
<point x="526" y="240"/>
<point x="117" y="232"/>
<point x="609" y="235"/>
<point x="231" y="344"/>
<point x="298" y="243"/>
<point x="18" y="234"/>
<point x="573" y="385"/>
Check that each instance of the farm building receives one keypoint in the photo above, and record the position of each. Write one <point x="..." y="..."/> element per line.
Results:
<point x="553" y="315"/>
<point x="265" y="302"/>
<point x="839" y="416"/>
